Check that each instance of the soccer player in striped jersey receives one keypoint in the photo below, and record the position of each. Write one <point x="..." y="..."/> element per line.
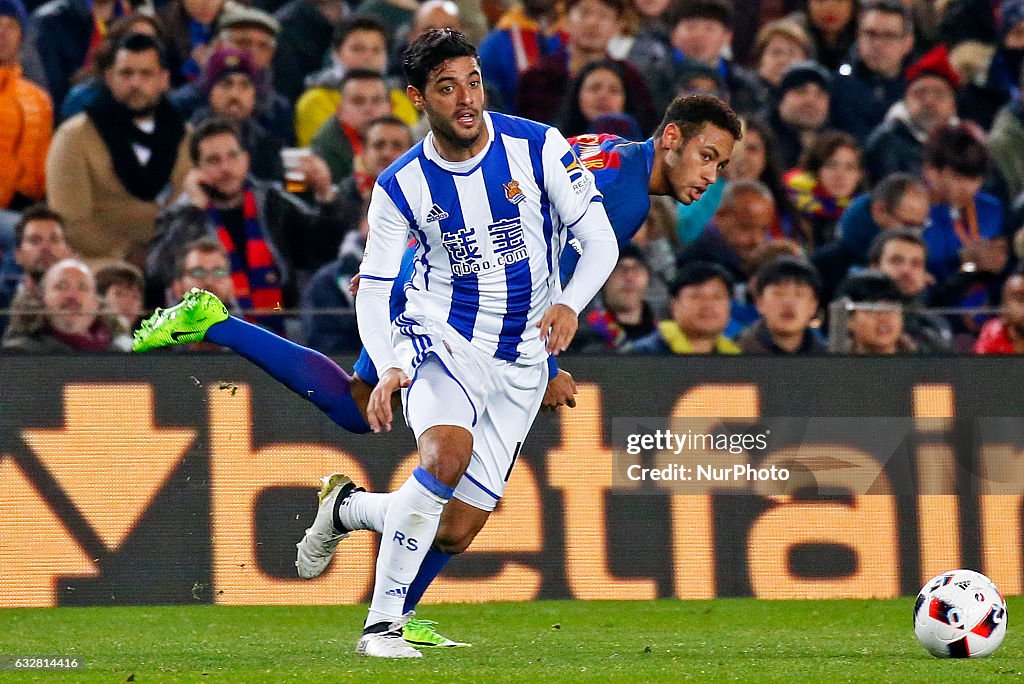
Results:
<point x="489" y="198"/>
<point x="691" y="146"/>
<point x="686" y="154"/>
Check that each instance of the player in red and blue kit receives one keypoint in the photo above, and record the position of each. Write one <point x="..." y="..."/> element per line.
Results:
<point x="683" y="157"/>
<point x="622" y="172"/>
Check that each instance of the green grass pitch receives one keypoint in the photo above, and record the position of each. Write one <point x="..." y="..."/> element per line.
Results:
<point x="558" y="641"/>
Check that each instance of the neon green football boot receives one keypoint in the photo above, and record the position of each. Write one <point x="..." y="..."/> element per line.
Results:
<point x="184" y="323"/>
<point x="423" y="633"/>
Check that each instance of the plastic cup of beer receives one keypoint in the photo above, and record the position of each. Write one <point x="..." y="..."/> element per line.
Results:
<point x="294" y="178"/>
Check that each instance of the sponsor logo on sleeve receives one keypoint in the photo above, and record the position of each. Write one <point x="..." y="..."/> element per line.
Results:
<point x="577" y="176"/>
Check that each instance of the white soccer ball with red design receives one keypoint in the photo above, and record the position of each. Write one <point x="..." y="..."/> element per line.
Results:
<point x="960" y="614"/>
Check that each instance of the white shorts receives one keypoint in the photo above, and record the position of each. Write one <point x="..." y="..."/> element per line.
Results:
<point x="495" y="400"/>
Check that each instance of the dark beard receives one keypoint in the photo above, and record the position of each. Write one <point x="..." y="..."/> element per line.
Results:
<point x="445" y="130"/>
<point x="233" y="117"/>
<point x="215" y="194"/>
<point x="449" y="136"/>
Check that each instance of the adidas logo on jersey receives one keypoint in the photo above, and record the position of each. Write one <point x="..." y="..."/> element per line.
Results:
<point x="436" y="213"/>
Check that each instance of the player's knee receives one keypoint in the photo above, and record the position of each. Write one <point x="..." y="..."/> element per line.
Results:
<point x="446" y="469"/>
<point x="445" y="452"/>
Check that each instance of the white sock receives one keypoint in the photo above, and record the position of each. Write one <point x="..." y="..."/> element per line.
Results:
<point x="365" y="510"/>
<point x="409" y="528"/>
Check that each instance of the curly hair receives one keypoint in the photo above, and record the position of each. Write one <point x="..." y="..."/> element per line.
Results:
<point x="691" y="112"/>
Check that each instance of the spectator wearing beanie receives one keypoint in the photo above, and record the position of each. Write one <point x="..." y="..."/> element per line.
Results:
<point x="929" y="101"/>
<point x="225" y="62"/>
<point x="254" y="32"/>
<point x="803" y="109"/>
<point x="230" y="83"/>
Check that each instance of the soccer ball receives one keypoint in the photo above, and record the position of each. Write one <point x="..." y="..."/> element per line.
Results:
<point x="960" y="614"/>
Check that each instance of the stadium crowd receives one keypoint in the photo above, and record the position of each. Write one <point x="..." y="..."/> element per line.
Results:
<point x="149" y="148"/>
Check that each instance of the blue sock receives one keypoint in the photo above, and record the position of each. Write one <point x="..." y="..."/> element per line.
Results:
<point x="431" y="567"/>
<point x="305" y="371"/>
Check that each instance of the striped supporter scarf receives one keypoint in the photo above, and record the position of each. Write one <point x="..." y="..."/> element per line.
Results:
<point x="259" y="287"/>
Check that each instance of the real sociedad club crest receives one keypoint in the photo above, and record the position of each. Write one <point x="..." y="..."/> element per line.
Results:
<point x="512" y="192"/>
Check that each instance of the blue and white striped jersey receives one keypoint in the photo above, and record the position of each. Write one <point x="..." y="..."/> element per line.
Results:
<point x="490" y="232"/>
